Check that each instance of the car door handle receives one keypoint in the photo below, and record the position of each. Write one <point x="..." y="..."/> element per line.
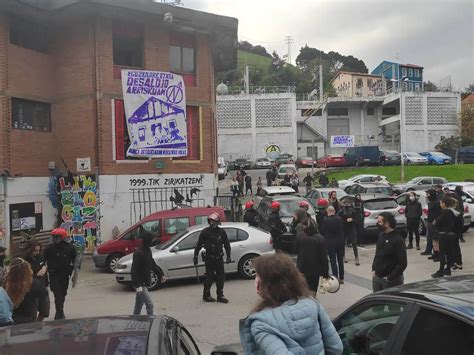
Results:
<point x="241" y="246"/>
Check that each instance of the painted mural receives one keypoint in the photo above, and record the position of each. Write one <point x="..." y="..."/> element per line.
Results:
<point x="78" y="209"/>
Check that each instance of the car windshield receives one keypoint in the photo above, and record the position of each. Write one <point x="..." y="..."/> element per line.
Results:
<point x="287" y="169"/>
<point x="354" y="178"/>
<point x="339" y="193"/>
<point x="391" y="152"/>
<point x="385" y="190"/>
<point x="288" y="207"/>
<point x="438" y="154"/>
<point x="412" y="154"/>
<point x="263" y="160"/>
<point x="380" y="204"/>
<point x="167" y="244"/>
<point x="305" y="158"/>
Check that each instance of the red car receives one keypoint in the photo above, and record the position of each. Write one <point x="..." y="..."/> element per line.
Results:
<point x="305" y="162"/>
<point x="331" y="160"/>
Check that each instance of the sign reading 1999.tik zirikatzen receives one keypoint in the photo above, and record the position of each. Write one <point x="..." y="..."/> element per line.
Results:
<point x="155" y="110"/>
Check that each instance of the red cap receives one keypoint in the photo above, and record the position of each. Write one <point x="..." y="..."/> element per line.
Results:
<point x="60" y="232"/>
<point x="303" y="203"/>
<point x="275" y="205"/>
<point x="249" y="205"/>
<point x="323" y="202"/>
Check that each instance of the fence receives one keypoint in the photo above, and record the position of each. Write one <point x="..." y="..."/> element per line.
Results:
<point x="232" y="207"/>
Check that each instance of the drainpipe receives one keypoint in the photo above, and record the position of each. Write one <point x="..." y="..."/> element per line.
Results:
<point x="3" y="198"/>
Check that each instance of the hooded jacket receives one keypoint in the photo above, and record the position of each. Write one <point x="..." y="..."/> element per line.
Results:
<point x="301" y="327"/>
<point x="413" y="209"/>
<point x="446" y="222"/>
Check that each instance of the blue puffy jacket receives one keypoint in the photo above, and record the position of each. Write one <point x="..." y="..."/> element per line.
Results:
<point x="301" y="327"/>
<point x="6" y="308"/>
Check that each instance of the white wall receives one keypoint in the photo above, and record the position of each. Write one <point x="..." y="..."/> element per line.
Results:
<point x="125" y="198"/>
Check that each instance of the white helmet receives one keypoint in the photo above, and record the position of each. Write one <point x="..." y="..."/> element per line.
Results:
<point x="331" y="284"/>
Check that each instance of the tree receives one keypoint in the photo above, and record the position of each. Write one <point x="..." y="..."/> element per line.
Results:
<point x="429" y="86"/>
<point x="469" y="89"/>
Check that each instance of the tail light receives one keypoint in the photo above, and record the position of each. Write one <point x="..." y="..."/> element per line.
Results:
<point x="401" y="210"/>
<point x="271" y="241"/>
<point x="366" y="214"/>
<point x="425" y="211"/>
<point x="466" y="209"/>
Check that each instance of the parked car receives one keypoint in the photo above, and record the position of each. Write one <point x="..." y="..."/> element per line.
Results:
<point x="412" y="158"/>
<point x="468" y="197"/>
<point x="175" y="257"/>
<point x="466" y="155"/>
<point x="286" y="168"/>
<point x="369" y="188"/>
<point x="284" y="159"/>
<point x="362" y="178"/>
<point x="137" y="335"/>
<point x="263" y="163"/>
<point x="273" y="191"/>
<point x="331" y="160"/>
<point x="391" y="157"/>
<point x="420" y="183"/>
<point x="221" y="168"/>
<point x="374" y="204"/>
<point x="289" y="204"/>
<point x="364" y="155"/>
<point x="306" y="162"/>
<point x="163" y="225"/>
<point x="433" y="317"/>
<point x="437" y="158"/>
<point x="403" y="199"/>
<point x="315" y="194"/>
<point x="242" y="163"/>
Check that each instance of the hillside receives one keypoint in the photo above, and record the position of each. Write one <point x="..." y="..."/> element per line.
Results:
<point x="253" y="60"/>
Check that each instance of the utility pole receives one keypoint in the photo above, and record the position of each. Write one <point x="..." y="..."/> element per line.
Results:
<point x="247" y="80"/>
<point x="289" y="41"/>
<point x="320" y="82"/>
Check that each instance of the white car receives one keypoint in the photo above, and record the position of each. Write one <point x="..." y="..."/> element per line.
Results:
<point x="286" y="168"/>
<point x="175" y="257"/>
<point x="468" y="197"/>
<point x="414" y="158"/>
<point x="222" y="168"/>
<point x="360" y="178"/>
<point x="263" y="163"/>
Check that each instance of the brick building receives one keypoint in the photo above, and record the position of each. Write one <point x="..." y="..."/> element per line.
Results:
<point x="61" y="99"/>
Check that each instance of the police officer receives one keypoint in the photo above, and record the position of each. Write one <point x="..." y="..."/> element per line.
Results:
<point x="277" y="227"/>
<point x="60" y="257"/>
<point x="250" y="215"/>
<point x="213" y="239"/>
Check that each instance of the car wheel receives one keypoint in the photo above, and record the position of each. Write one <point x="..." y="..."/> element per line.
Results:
<point x="410" y="189"/>
<point x="245" y="268"/>
<point x="112" y="261"/>
<point x="155" y="280"/>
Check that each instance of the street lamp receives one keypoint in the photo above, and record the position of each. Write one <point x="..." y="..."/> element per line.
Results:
<point x="402" y="125"/>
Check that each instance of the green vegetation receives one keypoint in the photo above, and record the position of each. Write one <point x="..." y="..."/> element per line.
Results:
<point x="256" y="61"/>
<point x="453" y="173"/>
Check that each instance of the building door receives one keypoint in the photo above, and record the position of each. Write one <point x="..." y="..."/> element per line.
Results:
<point x="312" y="152"/>
<point x="337" y="127"/>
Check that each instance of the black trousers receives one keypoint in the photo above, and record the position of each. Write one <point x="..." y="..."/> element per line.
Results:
<point x="413" y="225"/>
<point x="379" y="283"/>
<point x="351" y="238"/>
<point x="456" y="247"/>
<point x="59" y="285"/>
<point x="446" y="251"/>
<point x="269" y="182"/>
<point x="214" y="273"/>
<point x="312" y="281"/>
<point x="336" y="257"/>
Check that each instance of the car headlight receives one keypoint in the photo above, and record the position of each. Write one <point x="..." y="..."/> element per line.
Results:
<point x="121" y="266"/>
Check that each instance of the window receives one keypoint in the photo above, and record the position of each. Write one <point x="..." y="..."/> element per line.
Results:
<point x="231" y="234"/>
<point x="369" y="83"/>
<point x="342" y="111"/>
<point x="176" y="225"/>
<point x="182" y="56"/>
<point x="360" y="83"/>
<point x="425" y="182"/>
<point x="29" y="35"/>
<point x="200" y="220"/>
<point x="313" y="153"/>
<point x="389" y="111"/>
<point x="370" y="111"/>
<point x="417" y="73"/>
<point x="380" y="204"/>
<point x="405" y="85"/>
<point x="189" y="242"/>
<point x="417" y="86"/>
<point x="436" y="333"/>
<point x="410" y="73"/>
<point x="410" y="86"/>
<point x="439" y="181"/>
<point x="133" y="234"/>
<point x="367" y="328"/>
<point x="242" y="235"/>
<point x="404" y="71"/>
<point x="122" y="141"/>
<point x="26" y="216"/>
<point x="154" y="227"/>
<point x="194" y="134"/>
<point x="128" y="45"/>
<point x="31" y="115"/>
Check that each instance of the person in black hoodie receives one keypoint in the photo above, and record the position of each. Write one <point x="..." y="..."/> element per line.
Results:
<point x="142" y="265"/>
<point x="413" y="212"/>
<point x="359" y="218"/>
<point x="445" y="224"/>
<point x="434" y="210"/>
<point x="250" y="215"/>
<point x="312" y="259"/>
<point x="347" y="214"/>
<point x="390" y="259"/>
<point x="458" y="193"/>
<point x="333" y="233"/>
<point x="277" y="227"/>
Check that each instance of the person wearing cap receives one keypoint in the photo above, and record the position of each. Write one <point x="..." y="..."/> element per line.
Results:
<point x="213" y="239"/>
<point x="250" y="215"/>
<point x="277" y="227"/>
<point x="322" y="205"/>
<point x="59" y="258"/>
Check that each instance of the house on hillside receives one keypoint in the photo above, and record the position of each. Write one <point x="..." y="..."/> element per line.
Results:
<point x="409" y="75"/>
<point x="350" y="84"/>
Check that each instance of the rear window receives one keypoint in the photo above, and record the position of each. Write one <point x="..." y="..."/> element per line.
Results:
<point x="339" y="193"/>
<point x="288" y="207"/>
<point x="377" y="205"/>
<point x="380" y="190"/>
<point x="176" y="225"/>
<point x="287" y="170"/>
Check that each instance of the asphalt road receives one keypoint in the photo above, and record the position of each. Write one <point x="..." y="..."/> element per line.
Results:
<point x="97" y="294"/>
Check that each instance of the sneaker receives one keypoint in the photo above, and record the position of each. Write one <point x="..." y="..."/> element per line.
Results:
<point x="345" y="260"/>
<point x="430" y="257"/>
<point x="357" y="261"/>
<point x="222" y="299"/>
<point x="437" y="274"/>
<point x="418" y="247"/>
<point x="447" y="272"/>
<point x="425" y="253"/>
<point x="208" y="299"/>
<point x="410" y="246"/>
<point x="341" y="281"/>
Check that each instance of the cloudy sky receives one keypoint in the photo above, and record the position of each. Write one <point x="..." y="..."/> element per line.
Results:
<point x="436" y="34"/>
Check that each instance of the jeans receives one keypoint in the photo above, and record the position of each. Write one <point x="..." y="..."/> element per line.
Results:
<point x="336" y="257"/>
<point x="308" y="188"/>
<point x="413" y="225"/>
<point x="143" y="298"/>
<point x="378" y="283"/>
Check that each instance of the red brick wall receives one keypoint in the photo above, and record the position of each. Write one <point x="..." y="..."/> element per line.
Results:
<point x="4" y="102"/>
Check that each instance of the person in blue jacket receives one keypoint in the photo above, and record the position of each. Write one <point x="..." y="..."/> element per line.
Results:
<point x="287" y="320"/>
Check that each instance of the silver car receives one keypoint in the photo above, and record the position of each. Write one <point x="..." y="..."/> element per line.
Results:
<point x="175" y="257"/>
<point x="420" y="183"/>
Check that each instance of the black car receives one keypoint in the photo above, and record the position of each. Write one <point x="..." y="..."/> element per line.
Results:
<point x="364" y="155"/>
<point x="466" y="155"/>
<point x="137" y="335"/>
<point x="390" y="157"/>
<point x="434" y="317"/>
<point x="241" y="163"/>
<point x="369" y="188"/>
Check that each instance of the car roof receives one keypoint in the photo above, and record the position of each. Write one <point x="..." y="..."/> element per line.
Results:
<point x="455" y="293"/>
<point x="182" y="211"/>
<point x="287" y="166"/>
<point x="275" y="190"/>
<point x="465" y="183"/>
<point x="372" y="184"/>
<point x="242" y="225"/>
<point x="327" y="189"/>
<point x="367" y="197"/>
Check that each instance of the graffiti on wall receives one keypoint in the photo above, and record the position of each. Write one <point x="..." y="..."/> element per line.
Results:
<point x="78" y="209"/>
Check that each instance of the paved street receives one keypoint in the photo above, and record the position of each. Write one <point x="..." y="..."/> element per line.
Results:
<point x="97" y="293"/>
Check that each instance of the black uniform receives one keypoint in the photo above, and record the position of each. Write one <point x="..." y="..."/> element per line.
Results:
<point x="359" y="219"/>
<point x="445" y="224"/>
<point x="269" y="177"/>
<point x="277" y="228"/>
<point x="332" y="230"/>
<point x="35" y="301"/>
<point x="323" y="181"/>
<point x="213" y="239"/>
<point x="349" y="227"/>
<point x="312" y="258"/>
<point x="413" y="213"/>
<point x="60" y="259"/>
<point x="251" y="217"/>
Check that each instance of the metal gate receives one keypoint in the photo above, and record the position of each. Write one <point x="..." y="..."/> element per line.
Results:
<point x="232" y="207"/>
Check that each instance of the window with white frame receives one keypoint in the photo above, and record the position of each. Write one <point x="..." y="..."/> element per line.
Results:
<point x="404" y="71"/>
<point x="405" y="85"/>
<point x="417" y="86"/>
<point x="410" y="86"/>
<point x="417" y="73"/>
<point x="410" y="73"/>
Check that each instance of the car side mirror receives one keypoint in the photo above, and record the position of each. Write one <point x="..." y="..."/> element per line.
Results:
<point x="174" y="249"/>
<point x="469" y="200"/>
